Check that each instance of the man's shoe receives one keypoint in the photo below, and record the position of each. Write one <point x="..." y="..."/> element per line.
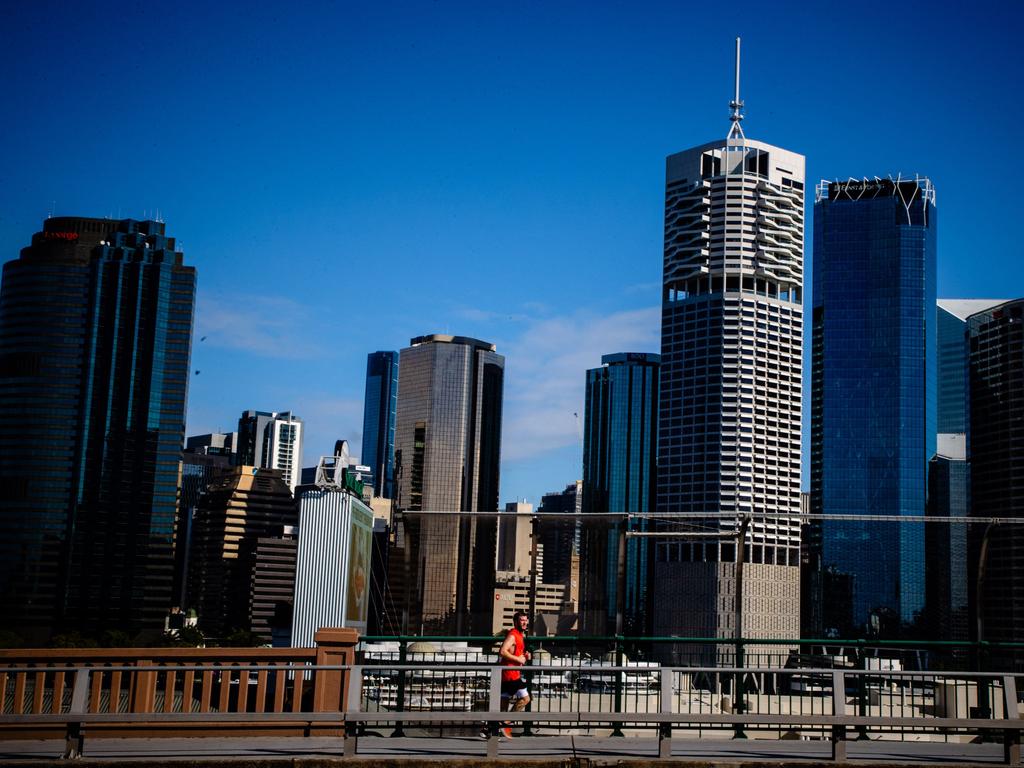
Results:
<point x="506" y="732"/>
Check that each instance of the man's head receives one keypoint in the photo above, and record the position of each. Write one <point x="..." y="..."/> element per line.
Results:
<point x="520" y="620"/>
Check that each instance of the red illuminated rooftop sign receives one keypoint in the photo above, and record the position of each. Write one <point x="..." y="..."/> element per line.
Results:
<point x="70" y="236"/>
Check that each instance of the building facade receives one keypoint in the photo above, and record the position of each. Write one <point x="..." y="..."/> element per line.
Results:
<point x="731" y="386"/>
<point x="447" y="457"/>
<point x="559" y="537"/>
<point x="333" y="571"/>
<point x="95" y="340"/>
<point x="996" y="456"/>
<point x="620" y="448"/>
<point x="380" y="406"/>
<point x="947" y="566"/>
<point x="270" y="440"/>
<point x="873" y="398"/>
<point x="234" y="513"/>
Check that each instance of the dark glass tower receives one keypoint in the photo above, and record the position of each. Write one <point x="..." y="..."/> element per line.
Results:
<point x="996" y="455"/>
<point x="620" y="446"/>
<point x="379" y="407"/>
<point x="873" y="397"/>
<point x="447" y="459"/>
<point x="95" y="338"/>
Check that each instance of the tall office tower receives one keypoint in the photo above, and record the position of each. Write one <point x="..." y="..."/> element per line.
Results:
<point x="952" y="367"/>
<point x="947" y="568"/>
<point x="379" y="407"/>
<point x="996" y="455"/>
<point x="205" y="458"/>
<point x="271" y="440"/>
<point x="95" y="338"/>
<point x="514" y="539"/>
<point x="234" y="513"/>
<point x="620" y="448"/>
<point x="560" y="536"/>
<point x="447" y="452"/>
<point x="947" y="564"/>
<point x="873" y="394"/>
<point x="729" y="426"/>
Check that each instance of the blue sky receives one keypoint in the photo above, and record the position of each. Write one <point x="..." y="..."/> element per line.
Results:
<point x="348" y="175"/>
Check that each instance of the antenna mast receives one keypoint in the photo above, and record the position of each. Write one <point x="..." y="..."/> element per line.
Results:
<point x="736" y="105"/>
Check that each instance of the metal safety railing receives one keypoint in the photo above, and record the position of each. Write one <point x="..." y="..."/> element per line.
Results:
<point x="240" y="699"/>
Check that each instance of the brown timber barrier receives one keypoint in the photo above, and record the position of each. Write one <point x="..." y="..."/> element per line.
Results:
<point x="246" y="691"/>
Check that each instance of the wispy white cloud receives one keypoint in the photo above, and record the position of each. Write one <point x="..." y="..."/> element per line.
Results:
<point x="270" y="326"/>
<point x="545" y="373"/>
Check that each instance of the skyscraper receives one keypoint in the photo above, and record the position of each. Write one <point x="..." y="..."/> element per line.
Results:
<point x="996" y="455"/>
<point x="873" y="398"/>
<point x="95" y="339"/>
<point x="236" y="511"/>
<point x="729" y="426"/>
<point x="271" y="441"/>
<point x="559" y="537"/>
<point x="447" y="455"/>
<point x="952" y="357"/>
<point x="620" y="446"/>
<point x="379" y="407"/>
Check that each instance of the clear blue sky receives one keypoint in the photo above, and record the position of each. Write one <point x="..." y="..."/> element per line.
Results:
<point x="348" y="175"/>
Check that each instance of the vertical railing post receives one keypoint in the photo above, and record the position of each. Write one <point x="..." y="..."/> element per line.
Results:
<point x="528" y="679"/>
<point x="493" y="708"/>
<point x="838" y="712"/>
<point x="665" y="708"/>
<point x="353" y="703"/>
<point x="143" y="689"/>
<point x="334" y="647"/>
<point x="403" y="658"/>
<point x="1011" y="736"/>
<point x="619" y="675"/>
<point x="74" y="737"/>
<point x="862" y="693"/>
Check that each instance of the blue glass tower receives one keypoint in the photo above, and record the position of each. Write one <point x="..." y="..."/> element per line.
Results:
<point x="95" y="339"/>
<point x="379" y="407"/>
<point x="873" y="397"/>
<point x="619" y="453"/>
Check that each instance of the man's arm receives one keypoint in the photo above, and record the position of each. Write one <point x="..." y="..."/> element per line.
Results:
<point x="506" y="650"/>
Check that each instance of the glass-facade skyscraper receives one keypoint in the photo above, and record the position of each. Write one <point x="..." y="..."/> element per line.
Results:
<point x="620" y="447"/>
<point x="996" y="455"/>
<point x="95" y="340"/>
<point x="447" y="459"/>
<point x="380" y="405"/>
<point x="731" y="373"/>
<point x="873" y="397"/>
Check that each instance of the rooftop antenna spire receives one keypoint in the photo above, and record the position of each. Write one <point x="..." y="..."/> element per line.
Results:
<point x="736" y="132"/>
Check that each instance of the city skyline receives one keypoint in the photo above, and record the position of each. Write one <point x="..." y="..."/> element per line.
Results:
<point x="523" y="152"/>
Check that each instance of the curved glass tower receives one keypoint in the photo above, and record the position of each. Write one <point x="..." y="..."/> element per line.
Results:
<point x="95" y="338"/>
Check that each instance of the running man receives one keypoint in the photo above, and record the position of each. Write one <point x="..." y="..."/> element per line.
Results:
<point x="514" y="694"/>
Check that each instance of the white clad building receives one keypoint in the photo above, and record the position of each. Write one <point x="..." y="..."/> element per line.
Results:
<point x="731" y="378"/>
<point x="332" y="572"/>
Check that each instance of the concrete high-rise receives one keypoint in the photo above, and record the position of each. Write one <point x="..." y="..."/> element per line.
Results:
<point x="996" y="456"/>
<point x="729" y="427"/>
<point x="236" y="511"/>
<point x="271" y="441"/>
<point x="873" y="397"/>
<point x="447" y="456"/>
<point x="95" y="339"/>
<point x="620" y="447"/>
<point x="380" y="405"/>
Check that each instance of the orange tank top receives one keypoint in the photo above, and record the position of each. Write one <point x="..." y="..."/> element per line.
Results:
<point x="518" y="648"/>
